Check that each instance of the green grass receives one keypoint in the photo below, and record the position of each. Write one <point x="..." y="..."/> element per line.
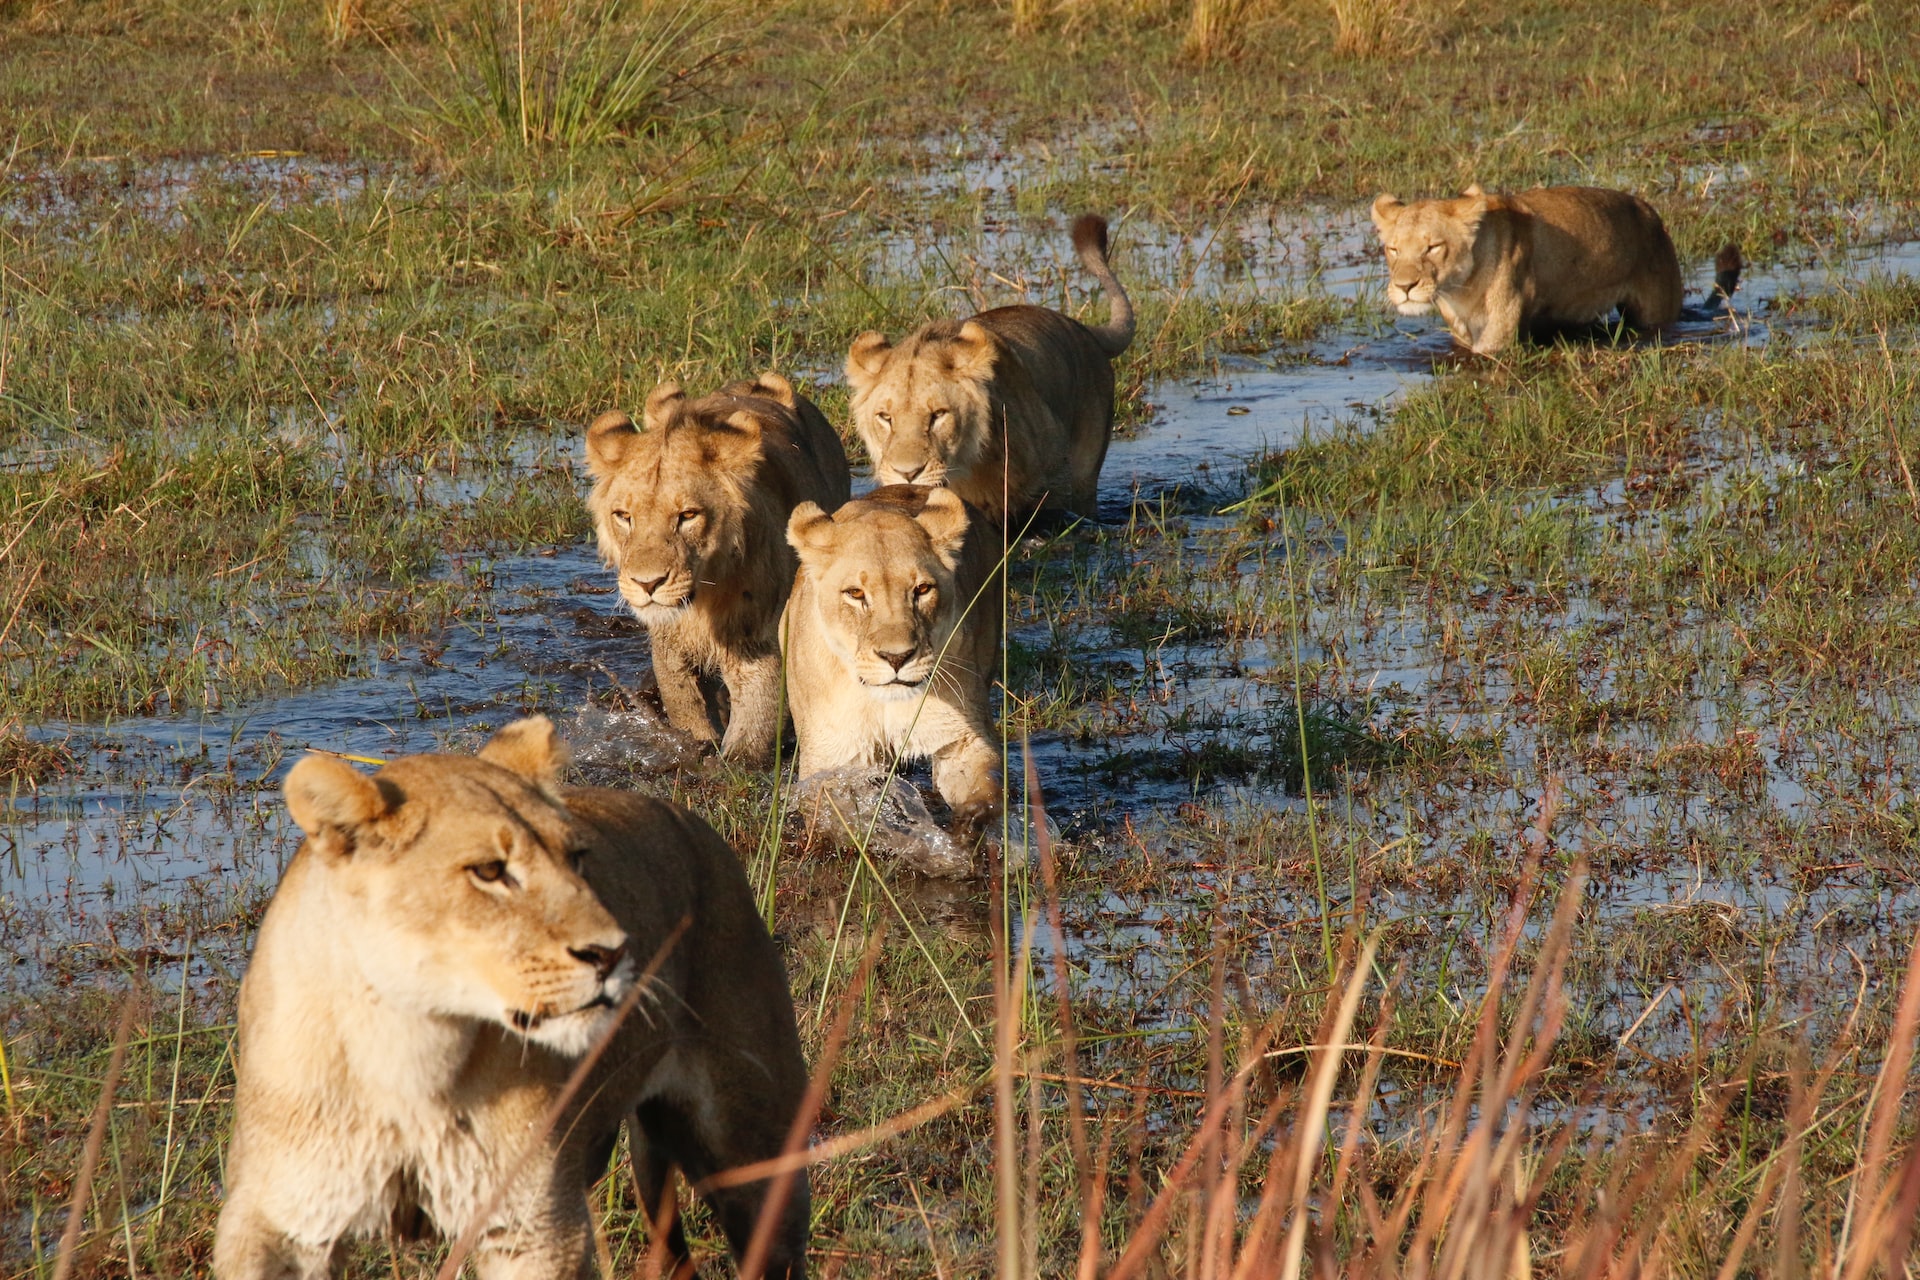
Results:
<point x="266" y="421"/>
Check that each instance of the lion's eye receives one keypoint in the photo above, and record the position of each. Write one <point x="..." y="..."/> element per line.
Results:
<point x="854" y="594"/>
<point x="922" y="590"/>
<point x="622" y="517"/>
<point x="691" y="513"/>
<point x="1392" y="252"/>
<point x="1435" y="248"/>
<point x="884" y="419"/>
<point x="494" y="872"/>
<point x="576" y="858"/>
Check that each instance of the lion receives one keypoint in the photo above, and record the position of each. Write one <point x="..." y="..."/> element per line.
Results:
<point x="691" y="513"/>
<point x="1011" y="409"/>
<point x="891" y="633"/>
<point x="1552" y="257"/>
<point x="453" y="933"/>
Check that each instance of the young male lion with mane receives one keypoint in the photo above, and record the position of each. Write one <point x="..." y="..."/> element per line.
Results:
<point x="692" y="515"/>
<point x="1496" y="266"/>
<point x="1011" y="409"/>
<point x="453" y="934"/>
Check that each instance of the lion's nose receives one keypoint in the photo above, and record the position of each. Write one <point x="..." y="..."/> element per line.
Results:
<point x="603" y="959"/>
<point x="907" y="475"/>
<point x="898" y="658"/>
<point x="648" y="585"/>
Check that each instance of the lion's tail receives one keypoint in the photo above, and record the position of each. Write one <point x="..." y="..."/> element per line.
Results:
<point x="1090" y="242"/>
<point x="1726" y="276"/>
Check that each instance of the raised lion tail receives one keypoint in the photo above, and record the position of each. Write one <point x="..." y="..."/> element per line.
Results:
<point x="1090" y="243"/>
<point x="1726" y="275"/>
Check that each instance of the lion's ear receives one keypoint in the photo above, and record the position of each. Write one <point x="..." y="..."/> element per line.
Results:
<point x="531" y="748"/>
<point x="866" y="357"/>
<point x="331" y="801"/>
<point x="809" y="528"/>
<point x="944" y="517"/>
<point x="1386" y="209"/>
<point x="1474" y="189"/>
<point x="1478" y="202"/>
<point x="661" y="403"/>
<point x="771" y="386"/>
<point x="609" y="440"/>
<point x="974" y="351"/>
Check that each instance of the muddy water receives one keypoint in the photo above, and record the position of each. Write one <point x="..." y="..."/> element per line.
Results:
<point x="174" y="825"/>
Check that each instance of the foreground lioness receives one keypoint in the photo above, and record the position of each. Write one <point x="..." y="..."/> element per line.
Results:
<point x="1011" y="409"/>
<point x="892" y="633"/>
<point x="1496" y="265"/>
<point x="451" y="936"/>
<point x="692" y="514"/>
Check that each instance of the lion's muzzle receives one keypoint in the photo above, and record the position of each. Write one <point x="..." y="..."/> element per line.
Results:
<point x="661" y="594"/>
<point x="1414" y="299"/>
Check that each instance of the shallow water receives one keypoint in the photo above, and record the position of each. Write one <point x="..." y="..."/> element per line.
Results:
<point x="79" y="195"/>
<point x="168" y="824"/>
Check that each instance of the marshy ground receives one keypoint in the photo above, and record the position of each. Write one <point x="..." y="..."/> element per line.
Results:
<point x="300" y="321"/>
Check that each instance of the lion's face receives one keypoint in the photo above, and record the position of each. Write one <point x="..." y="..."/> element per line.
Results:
<point x="669" y="503"/>
<point x="924" y="408"/>
<point x="883" y="584"/>
<point x="457" y="884"/>
<point x="1429" y="246"/>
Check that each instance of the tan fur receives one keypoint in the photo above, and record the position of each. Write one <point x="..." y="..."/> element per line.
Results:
<point x="1012" y="409"/>
<point x="451" y="936"/>
<point x="1497" y="265"/>
<point x="906" y="571"/>
<point x="692" y="514"/>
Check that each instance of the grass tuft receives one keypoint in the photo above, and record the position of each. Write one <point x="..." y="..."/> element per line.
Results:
<point x="1369" y="28"/>
<point x="576" y="73"/>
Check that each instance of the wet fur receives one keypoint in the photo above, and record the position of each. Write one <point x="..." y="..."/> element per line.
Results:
<point x="883" y="544"/>
<point x="745" y="457"/>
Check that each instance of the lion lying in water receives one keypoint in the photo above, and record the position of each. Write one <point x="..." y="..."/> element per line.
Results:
<point x="451" y="936"/>
<point x="1495" y="266"/>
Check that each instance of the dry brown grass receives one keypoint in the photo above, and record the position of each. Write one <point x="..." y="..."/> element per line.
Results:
<point x="1369" y="28"/>
<point x="1216" y="29"/>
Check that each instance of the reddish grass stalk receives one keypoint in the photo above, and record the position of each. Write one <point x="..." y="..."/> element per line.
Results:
<point x="96" y="1135"/>
<point x="1069" y="1042"/>
<point x="781" y="1191"/>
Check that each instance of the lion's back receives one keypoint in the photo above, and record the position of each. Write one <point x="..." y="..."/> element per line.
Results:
<point x="1062" y="363"/>
<point x="1582" y="236"/>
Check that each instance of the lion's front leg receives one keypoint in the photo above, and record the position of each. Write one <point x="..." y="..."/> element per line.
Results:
<point x="246" y="1246"/>
<point x="564" y="1253"/>
<point x="753" y="686"/>
<point x="966" y="773"/>
<point x="680" y="692"/>
<point x="1499" y="321"/>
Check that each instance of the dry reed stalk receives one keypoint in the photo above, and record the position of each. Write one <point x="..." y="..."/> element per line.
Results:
<point x="1366" y="28"/>
<point x="755" y="1260"/>
<point x="1091" y="1193"/>
<point x="96" y="1135"/>
<point x="1215" y="30"/>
